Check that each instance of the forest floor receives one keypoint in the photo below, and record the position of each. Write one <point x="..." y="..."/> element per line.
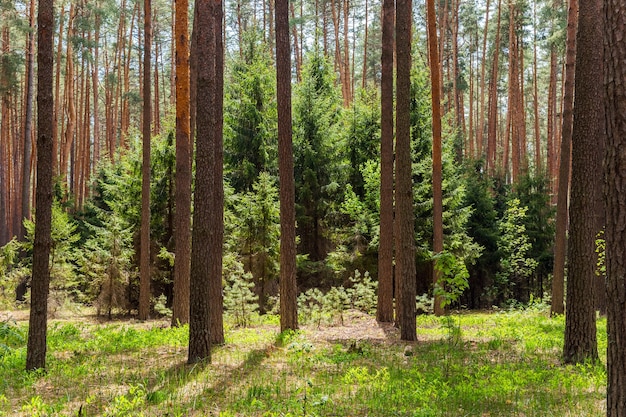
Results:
<point x="470" y="364"/>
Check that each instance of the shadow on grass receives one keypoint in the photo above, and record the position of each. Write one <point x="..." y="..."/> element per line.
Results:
<point x="184" y="383"/>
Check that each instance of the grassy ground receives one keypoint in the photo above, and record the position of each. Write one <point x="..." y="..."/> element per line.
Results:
<point x="488" y="364"/>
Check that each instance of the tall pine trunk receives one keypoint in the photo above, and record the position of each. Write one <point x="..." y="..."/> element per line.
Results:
<point x="587" y="138"/>
<point x="560" y="242"/>
<point x="492" y="114"/>
<point x="37" y="329"/>
<point x="217" y="194"/>
<point x="288" y="288"/>
<point x="437" y="166"/>
<point x="615" y="177"/>
<point x="384" y="312"/>
<point x="28" y="118"/>
<point x="404" y="221"/>
<point x="182" y="263"/>
<point x="144" y="257"/>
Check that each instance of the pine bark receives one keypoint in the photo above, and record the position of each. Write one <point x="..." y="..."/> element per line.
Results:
<point x="288" y="286"/>
<point x="217" y="193"/>
<point x="437" y="166"/>
<point x="614" y="16"/>
<point x="404" y="226"/>
<point x="202" y="236"/>
<point x="384" y="312"/>
<point x="144" y="258"/>
<point x="37" y="330"/>
<point x="562" y="210"/>
<point x="96" y="94"/>
<point x="492" y="114"/>
<point x="28" y="117"/>
<point x="588" y="128"/>
<point x="182" y="264"/>
<point x="57" y="93"/>
<point x="480" y="128"/>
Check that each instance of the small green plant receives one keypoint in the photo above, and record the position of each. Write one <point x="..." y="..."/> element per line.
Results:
<point x="160" y="306"/>
<point x="36" y="407"/>
<point x="11" y="337"/>
<point x="311" y="306"/>
<point x="335" y="303"/>
<point x="424" y="304"/>
<point x="363" y="296"/>
<point x="240" y="301"/>
<point x="453" y="278"/>
<point x="127" y="404"/>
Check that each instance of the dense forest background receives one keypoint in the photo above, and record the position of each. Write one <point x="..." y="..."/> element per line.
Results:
<point x="502" y="83"/>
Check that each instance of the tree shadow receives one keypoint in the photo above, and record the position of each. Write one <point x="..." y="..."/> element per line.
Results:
<point x="181" y="375"/>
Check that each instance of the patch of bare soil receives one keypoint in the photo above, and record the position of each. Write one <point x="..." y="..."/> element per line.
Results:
<point x="356" y="326"/>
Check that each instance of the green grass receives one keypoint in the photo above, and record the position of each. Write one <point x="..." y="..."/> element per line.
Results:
<point x="496" y="364"/>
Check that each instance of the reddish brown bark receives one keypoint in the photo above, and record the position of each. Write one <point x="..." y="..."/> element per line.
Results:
<point x="180" y="308"/>
<point x="144" y="257"/>
<point x="437" y="167"/>
<point x="558" y="280"/>
<point x="492" y="128"/>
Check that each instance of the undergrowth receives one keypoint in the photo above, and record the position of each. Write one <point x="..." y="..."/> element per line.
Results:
<point x="499" y="364"/>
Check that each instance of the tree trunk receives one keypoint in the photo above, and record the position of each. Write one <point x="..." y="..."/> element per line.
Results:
<point x="70" y="127"/>
<point x="384" y="312"/>
<point x="560" y="243"/>
<point x="346" y="50"/>
<point x="217" y="173"/>
<point x="404" y="226"/>
<point x="513" y="110"/>
<point x="288" y="286"/>
<point x="437" y="167"/>
<point x="539" y="168"/>
<point x="296" y="43"/>
<point x="615" y="177"/>
<point x="30" y="85"/>
<point x="480" y="129"/>
<point x="37" y="330"/>
<point x="551" y="126"/>
<point x="587" y="133"/>
<point x="365" y="46"/>
<point x="203" y="237"/>
<point x="57" y="95"/>
<point x="144" y="258"/>
<point x="180" y="308"/>
<point x="492" y="129"/>
<point x="96" y="95"/>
